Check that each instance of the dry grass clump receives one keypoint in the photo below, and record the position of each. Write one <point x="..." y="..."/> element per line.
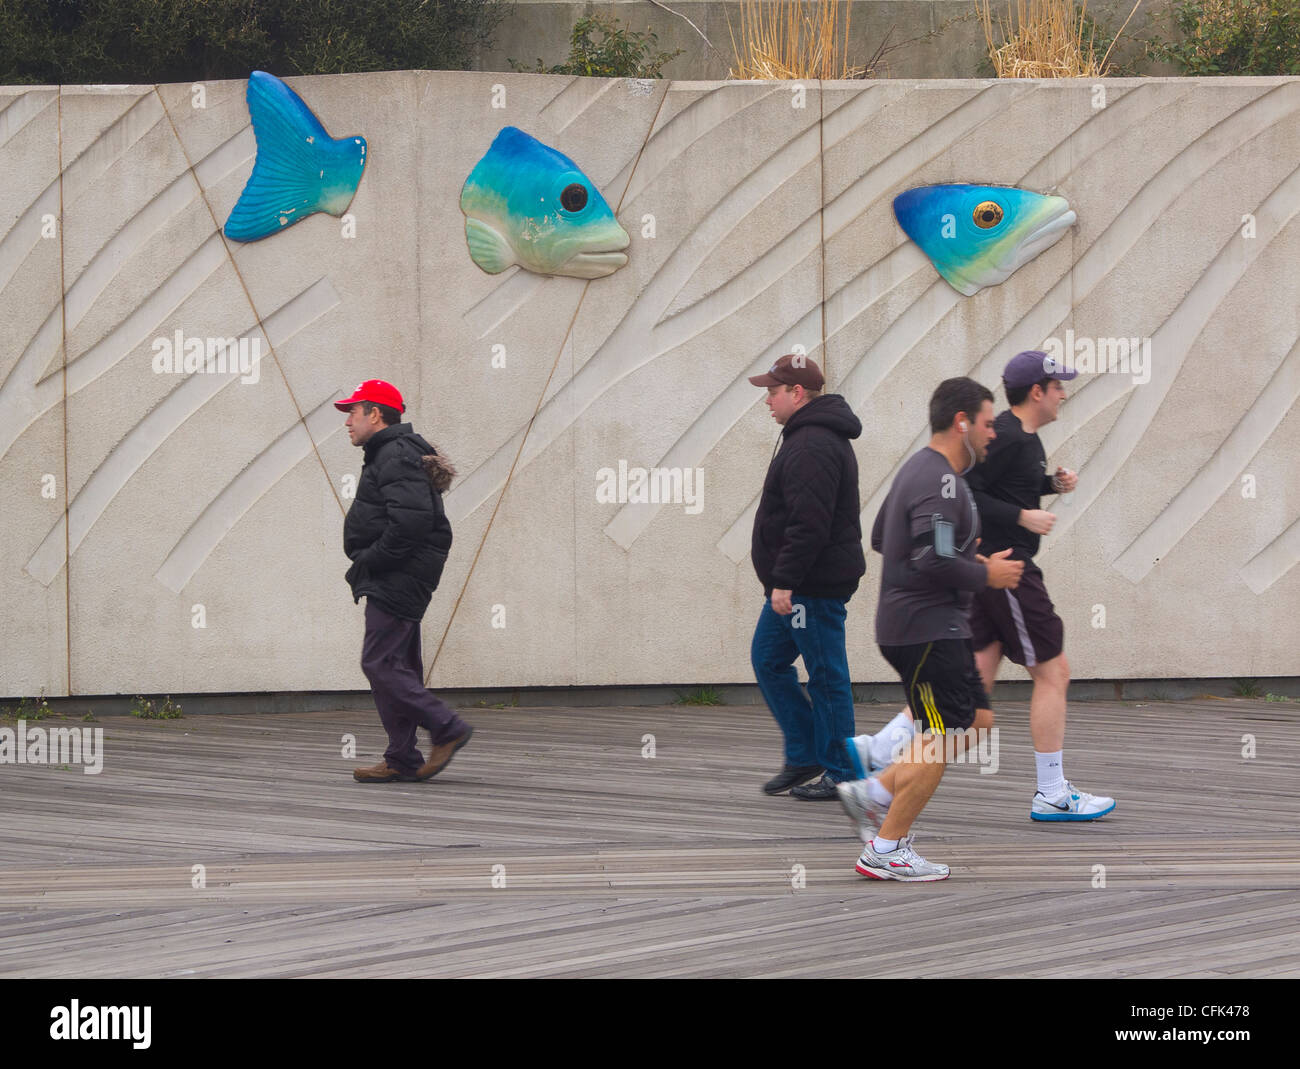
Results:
<point x="1044" y="39"/>
<point x="793" y="39"/>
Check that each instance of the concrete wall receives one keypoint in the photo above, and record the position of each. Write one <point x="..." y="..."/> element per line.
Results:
<point x="772" y="227"/>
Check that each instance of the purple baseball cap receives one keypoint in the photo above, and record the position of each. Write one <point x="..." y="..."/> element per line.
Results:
<point x="1031" y="366"/>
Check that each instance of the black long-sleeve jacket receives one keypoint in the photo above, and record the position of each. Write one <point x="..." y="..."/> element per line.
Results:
<point x="396" y="532"/>
<point x="1013" y="476"/>
<point x="808" y="528"/>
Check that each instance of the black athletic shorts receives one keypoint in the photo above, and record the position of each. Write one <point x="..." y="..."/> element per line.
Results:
<point x="1023" y="620"/>
<point x="942" y="684"/>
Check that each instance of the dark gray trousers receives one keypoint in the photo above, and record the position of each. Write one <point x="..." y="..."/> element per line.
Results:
<point x="391" y="660"/>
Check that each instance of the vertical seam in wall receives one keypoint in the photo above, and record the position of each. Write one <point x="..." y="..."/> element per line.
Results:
<point x="63" y="351"/>
<point x="414" y="128"/>
<point x="203" y="194"/>
<point x="529" y="426"/>
<point x="509" y="476"/>
<point x="1074" y="232"/>
<point x="821" y="217"/>
<point x="573" y="617"/>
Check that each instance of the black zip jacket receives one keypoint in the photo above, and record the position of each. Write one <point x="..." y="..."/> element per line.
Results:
<point x="808" y="527"/>
<point x="1013" y="476"/>
<point x="396" y="532"/>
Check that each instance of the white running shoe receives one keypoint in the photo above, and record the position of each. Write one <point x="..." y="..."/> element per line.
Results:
<point x="866" y="813"/>
<point x="1074" y="804"/>
<point x="901" y="863"/>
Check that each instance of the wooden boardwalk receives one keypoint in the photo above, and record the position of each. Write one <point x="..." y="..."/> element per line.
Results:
<point x="615" y="864"/>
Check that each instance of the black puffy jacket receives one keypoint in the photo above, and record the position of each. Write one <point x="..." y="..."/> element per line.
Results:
<point x="808" y="527"/>
<point x="396" y="532"/>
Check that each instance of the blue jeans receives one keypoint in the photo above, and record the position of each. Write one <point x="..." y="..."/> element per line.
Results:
<point x="814" y="729"/>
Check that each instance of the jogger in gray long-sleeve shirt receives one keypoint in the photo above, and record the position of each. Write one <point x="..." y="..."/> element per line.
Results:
<point x="927" y="531"/>
<point x="925" y="590"/>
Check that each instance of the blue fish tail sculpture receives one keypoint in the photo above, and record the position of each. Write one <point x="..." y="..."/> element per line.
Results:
<point x="527" y="204"/>
<point x="976" y="236"/>
<point x="299" y="168"/>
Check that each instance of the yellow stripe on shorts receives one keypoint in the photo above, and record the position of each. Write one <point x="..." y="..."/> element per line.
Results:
<point x="934" y="709"/>
<point x="914" y="692"/>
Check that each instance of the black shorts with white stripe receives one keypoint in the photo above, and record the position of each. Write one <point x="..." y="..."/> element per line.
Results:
<point x="1023" y="620"/>
<point x="942" y="684"/>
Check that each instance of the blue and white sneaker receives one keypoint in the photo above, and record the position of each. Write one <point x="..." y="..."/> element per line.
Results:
<point x="901" y="863"/>
<point x="859" y="750"/>
<point x="860" y="756"/>
<point x="1073" y="804"/>
<point x="872" y="753"/>
<point x="866" y="813"/>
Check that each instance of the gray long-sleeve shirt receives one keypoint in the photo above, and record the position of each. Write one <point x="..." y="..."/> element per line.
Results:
<point x="925" y="588"/>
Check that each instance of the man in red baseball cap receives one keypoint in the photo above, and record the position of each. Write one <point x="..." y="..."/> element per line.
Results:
<point x="397" y="536"/>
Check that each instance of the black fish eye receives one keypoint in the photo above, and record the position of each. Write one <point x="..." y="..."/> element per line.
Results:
<point x="574" y="197"/>
<point x="987" y="215"/>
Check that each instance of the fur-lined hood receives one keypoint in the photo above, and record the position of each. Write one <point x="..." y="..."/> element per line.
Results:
<point x="440" y="470"/>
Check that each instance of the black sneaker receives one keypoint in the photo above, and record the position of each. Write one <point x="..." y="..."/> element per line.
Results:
<point x="821" y="791"/>
<point x="789" y="776"/>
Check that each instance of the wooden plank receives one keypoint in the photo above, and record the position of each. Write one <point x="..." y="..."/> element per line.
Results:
<point x="620" y="865"/>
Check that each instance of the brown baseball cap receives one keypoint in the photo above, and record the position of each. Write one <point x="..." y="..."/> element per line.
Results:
<point x="793" y="369"/>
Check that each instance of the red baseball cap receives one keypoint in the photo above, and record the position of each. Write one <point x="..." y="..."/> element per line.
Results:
<point x="376" y="390"/>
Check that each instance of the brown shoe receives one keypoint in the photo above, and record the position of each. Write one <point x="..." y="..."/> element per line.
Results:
<point x="380" y="773"/>
<point x="440" y="756"/>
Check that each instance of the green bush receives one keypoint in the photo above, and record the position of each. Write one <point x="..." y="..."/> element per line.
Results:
<point x="1259" y="37"/>
<point x="114" y="41"/>
<point x="28" y="708"/>
<point x="1247" y="688"/>
<point x="700" y="696"/>
<point x="620" y="53"/>
<point x="152" y="709"/>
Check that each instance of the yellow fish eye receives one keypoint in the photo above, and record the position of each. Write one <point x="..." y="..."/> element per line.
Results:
<point x="574" y="197"/>
<point x="987" y="215"/>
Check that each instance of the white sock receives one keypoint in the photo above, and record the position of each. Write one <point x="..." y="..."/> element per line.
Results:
<point x="883" y="846"/>
<point x="885" y="742"/>
<point x="1051" y="774"/>
<point x="876" y="791"/>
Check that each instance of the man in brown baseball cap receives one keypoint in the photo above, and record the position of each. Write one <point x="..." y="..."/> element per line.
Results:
<point x="807" y="551"/>
<point x="793" y="369"/>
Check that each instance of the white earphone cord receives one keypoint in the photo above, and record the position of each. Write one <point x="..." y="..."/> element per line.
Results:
<point x="965" y="440"/>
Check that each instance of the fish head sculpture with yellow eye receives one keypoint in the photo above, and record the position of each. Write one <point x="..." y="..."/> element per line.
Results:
<point x="977" y="236"/>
